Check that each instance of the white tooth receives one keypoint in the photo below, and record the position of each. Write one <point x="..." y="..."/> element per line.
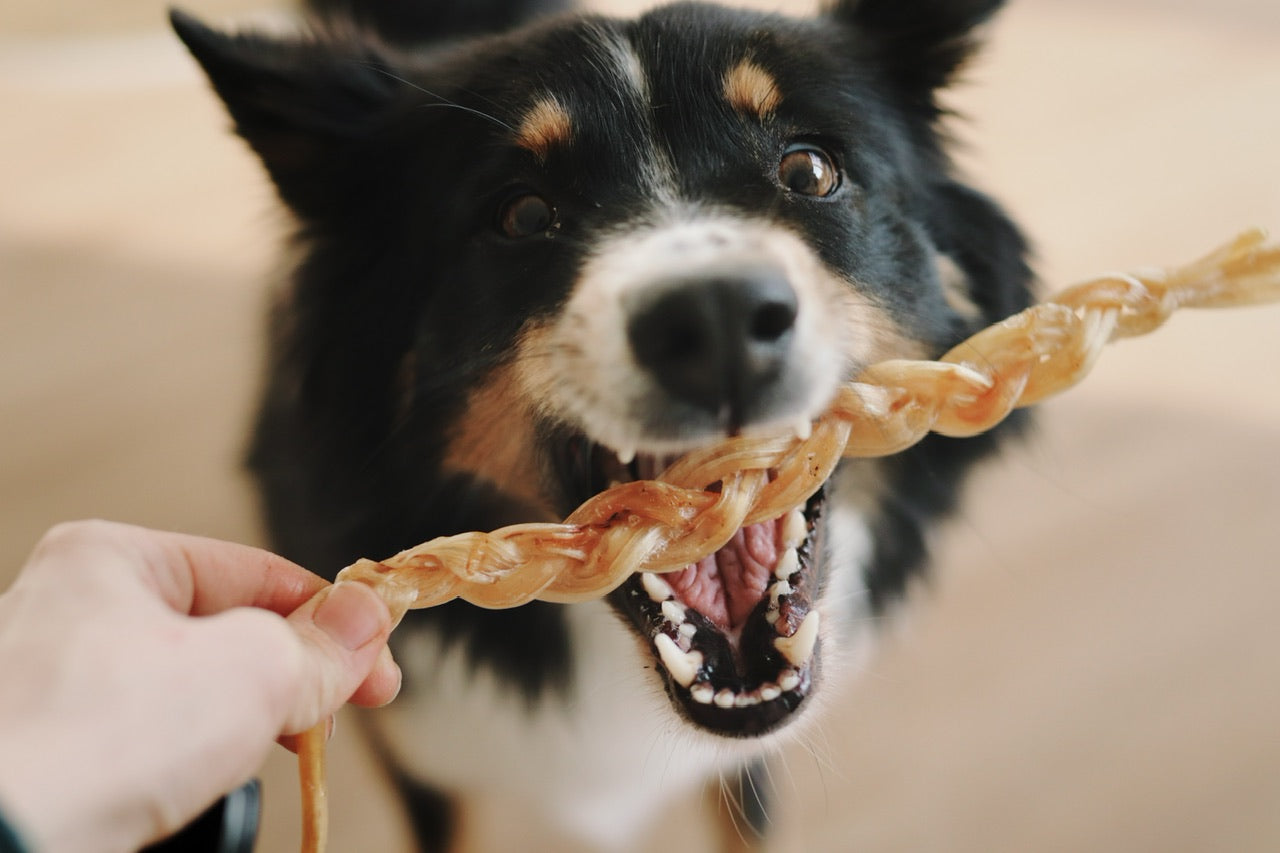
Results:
<point x="777" y="590"/>
<point x="769" y="691"/>
<point x="658" y="589"/>
<point x="746" y="700"/>
<point x="627" y="455"/>
<point x="798" y="648"/>
<point x="682" y="665"/>
<point x="688" y="629"/>
<point x="788" y="564"/>
<point x="794" y="529"/>
<point x="803" y="428"/>
<point x="726" y="698"/>
<point x="789" y="680"/>
<point x="702" y="692"/>
<point x="673" y="612"/>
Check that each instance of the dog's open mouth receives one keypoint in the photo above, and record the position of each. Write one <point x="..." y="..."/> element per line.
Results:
<point x="734" y="635"/>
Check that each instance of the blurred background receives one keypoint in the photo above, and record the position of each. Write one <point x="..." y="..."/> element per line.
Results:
<point x="1096" y="662"/>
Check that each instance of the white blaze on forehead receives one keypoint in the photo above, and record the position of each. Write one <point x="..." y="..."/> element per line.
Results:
<point x="647" y="158"/>
<point x="631" y="69"/>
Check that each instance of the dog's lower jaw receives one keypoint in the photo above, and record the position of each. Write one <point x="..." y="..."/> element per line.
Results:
<point x="603" y="760"/>
<point x="599" y="762"/>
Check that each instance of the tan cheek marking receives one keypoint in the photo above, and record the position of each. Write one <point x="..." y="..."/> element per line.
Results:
<point x="492" y="440"/>
<point x="751" y="90"/>
<point x="546" y="125"/>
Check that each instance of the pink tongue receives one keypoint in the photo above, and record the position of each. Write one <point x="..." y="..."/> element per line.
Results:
<point x="726" y="586"/>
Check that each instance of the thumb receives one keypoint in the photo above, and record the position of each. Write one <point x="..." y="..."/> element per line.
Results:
<point x="343" y="629"/>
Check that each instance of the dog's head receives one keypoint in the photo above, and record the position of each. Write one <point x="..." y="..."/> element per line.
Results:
<point x="541" y="261"/>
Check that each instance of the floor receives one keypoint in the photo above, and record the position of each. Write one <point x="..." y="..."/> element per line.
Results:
<point x="1096" y="663"/>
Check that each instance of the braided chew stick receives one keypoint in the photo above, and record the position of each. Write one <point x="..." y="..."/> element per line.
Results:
<point x="665" y="524"/>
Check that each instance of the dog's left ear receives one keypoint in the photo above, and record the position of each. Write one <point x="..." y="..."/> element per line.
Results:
<point x="921" y="43"/>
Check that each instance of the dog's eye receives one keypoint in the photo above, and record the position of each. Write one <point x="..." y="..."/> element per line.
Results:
<point x="808" y="171"/>
<point x="525" y="215"/>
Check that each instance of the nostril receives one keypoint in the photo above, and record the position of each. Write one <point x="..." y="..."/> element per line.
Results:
<point x="720" y="342"/>
<point x="772" y="320"/>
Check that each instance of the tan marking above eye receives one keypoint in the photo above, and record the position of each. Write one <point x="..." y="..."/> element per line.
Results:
<point x="545" y="125"/>
<point x="751" y="90"/>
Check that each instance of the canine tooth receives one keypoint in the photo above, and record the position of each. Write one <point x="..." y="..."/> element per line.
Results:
<point x="658" y="589"/>
<point x="726" y="698"/>
<point x="803" y="428"/>
<point x="702" y="693"/>
<point x="682" y="665"/>
<point x="673" y="612"/>
<point x="626" y="456"/>
<point x="794" y="529"/>
<point x="798" y="648"/>
<point x="789" y="680"/>
<point x="788" y="564"/>
<point x="769" y="691"/>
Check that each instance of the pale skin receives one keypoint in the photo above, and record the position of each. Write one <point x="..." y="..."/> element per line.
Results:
<point x="145" y="674"/>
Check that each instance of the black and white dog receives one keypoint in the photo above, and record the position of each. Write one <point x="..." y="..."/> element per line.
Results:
<point x="541" y="253"/>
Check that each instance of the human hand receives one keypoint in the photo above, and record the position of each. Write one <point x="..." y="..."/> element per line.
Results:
<point x="122" y="717"/>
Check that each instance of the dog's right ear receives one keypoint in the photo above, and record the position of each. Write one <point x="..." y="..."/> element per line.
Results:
<point x="920" y="43"/>
<point x="305" y="107"/>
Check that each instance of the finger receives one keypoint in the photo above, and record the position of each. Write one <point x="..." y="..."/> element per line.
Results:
<point x="192" y="574"/>
<point x="344" y="630"/>
<point x="382" y="685"/>
<point x="213" y="576"/>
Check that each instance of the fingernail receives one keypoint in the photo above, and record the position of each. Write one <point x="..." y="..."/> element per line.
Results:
<point x="386" y="660"/>
<point x="351" y="614"/>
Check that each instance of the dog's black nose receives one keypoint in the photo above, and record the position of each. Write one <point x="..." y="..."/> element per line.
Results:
<point x="717" y="341"/>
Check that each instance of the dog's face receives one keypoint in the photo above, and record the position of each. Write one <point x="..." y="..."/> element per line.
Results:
<point x="554" y="259"/>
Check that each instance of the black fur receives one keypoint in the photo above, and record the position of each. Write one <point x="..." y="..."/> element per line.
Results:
<point x="406" y="297"/>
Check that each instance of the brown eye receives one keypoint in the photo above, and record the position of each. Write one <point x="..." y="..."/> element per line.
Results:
<point x="808" y="171"/>
<point x="525" y="215"/>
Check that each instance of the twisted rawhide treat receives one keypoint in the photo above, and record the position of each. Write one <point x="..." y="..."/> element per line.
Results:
<point x="665" y="524"/>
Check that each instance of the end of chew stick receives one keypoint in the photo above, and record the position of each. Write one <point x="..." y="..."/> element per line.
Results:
<point x="315" y="801"/>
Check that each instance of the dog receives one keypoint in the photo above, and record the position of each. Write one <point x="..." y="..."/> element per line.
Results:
<point x="540" y="251"/>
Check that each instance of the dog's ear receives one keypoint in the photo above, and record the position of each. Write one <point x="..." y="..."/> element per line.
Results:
<point x="921" y="43"/>
<point x="421" y="21"/>
<point x="305" y="107"/>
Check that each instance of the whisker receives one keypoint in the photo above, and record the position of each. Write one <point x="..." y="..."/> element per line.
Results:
<point x="443" y="101"/>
